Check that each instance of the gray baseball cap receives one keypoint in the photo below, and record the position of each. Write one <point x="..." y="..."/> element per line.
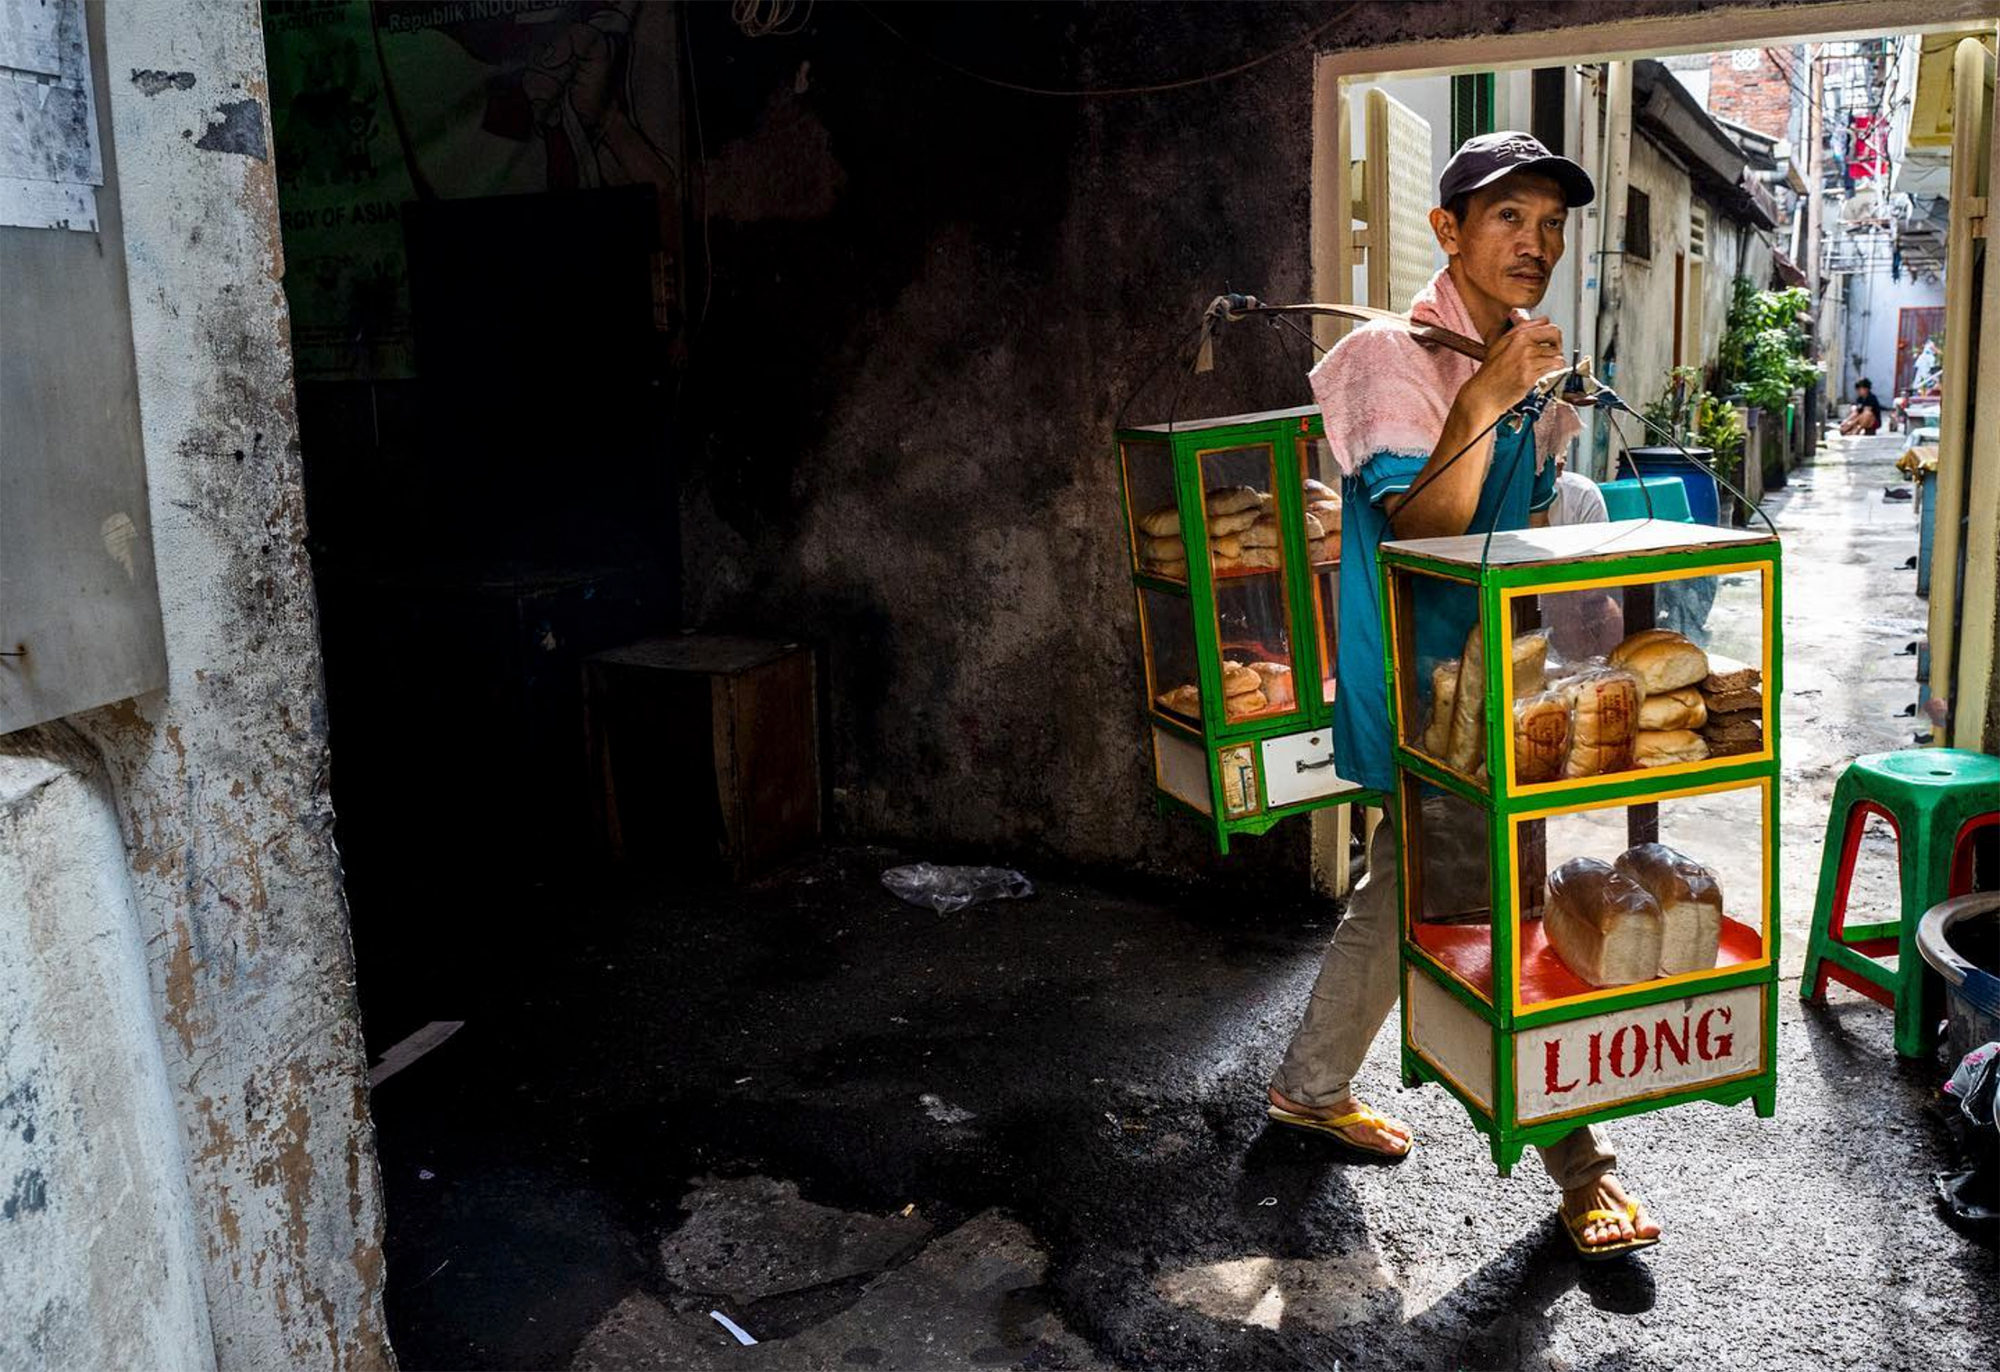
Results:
<point x="1481" y="161"/>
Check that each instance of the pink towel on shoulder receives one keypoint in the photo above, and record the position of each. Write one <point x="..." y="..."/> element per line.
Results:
<point x="1381" y="391"/>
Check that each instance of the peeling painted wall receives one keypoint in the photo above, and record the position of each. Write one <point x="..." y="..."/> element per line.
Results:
<point x="92" y="1192"/>
<point x="229" y="913"/>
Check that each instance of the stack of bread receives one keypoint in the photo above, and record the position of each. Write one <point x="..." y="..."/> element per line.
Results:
<point x="1733" y="696"/>
<point x="1654" y="913"/>
<point x="1668" y="666"/>
<point x="1243" y="532"/>
<point x="1253" y="689"/>
<point x="1641" y="707"/>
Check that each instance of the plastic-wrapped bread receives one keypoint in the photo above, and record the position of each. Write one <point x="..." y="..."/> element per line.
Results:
<point x="1690" y="901"/>
<point x="1541" y="737"/>
<point x="1604" y="926"/>
<point x="1444" y="689"/>
<point x="1468" y="719"/>
<point x="1604" y="709"/>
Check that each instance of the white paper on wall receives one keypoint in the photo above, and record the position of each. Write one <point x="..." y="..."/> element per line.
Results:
<point x="50" y="162"/>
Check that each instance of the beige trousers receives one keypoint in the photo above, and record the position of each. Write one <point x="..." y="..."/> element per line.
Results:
<point x="1356" y="991"/>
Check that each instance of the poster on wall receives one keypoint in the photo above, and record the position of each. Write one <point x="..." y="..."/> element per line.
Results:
<point x="375" y="105"/>
<point x="50" y="162"/>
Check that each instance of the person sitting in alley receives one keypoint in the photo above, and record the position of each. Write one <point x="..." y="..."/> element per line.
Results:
<point x="1866" y="415"/>
<point x="1424" y="453"/>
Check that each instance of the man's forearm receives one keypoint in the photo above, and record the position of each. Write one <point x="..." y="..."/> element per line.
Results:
<point x="1449" y="495"/>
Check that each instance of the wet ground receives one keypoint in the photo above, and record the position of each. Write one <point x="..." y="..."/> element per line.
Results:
<point x="1031" y="1134"/>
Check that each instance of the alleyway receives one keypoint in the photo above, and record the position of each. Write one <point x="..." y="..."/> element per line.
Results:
<point x="1067" y="1091"/>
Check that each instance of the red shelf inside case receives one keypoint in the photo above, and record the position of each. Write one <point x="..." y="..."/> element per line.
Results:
<point x="1467" y="951"/>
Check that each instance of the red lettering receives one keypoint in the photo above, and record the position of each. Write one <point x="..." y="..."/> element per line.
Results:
<point x="1718" y="1047"/>
<point x="1664" y="1042"/>
<point x="1638" y="1051"/>
<point x="1597" y="1058"/>
<point x="1552" y="1064"/>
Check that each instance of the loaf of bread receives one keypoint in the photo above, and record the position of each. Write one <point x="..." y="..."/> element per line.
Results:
<point x="1239" y="680"/>
<point x="1277" y="679"/>
<point x="1163" y="549"/>
<point x="1690" y="901"/>
<point x="1604" y="710"/>
<point x="1182" y="700"/>
<point x="1468" y="735"/>
<point x="1468" y="740"/>
<point x="1262" y="559"/>
<point x="1726" y="674"/>
<point x="1173" y="570"/>
<point x="1731" y="702"/>
<point x="1327" y="513"/>
<point x="1235" y="523"/>
<point x="1225" y="545"/>
<point x="1602" y="924"/>
<point x="1739" y="732"/>
<point x="1678" y="709"/>
<point x="1664" y="747"/>
<point x="1444" y="689"/>
<point x="1662" y="660"/>
<point x="1318" y="490"/>
<point x="1541" y="738"/>
<point x="1245" y="705"/>
<point x="1229" y="500"/>
<point x="1162" y="522"/>
<point x="1323" y="550"/>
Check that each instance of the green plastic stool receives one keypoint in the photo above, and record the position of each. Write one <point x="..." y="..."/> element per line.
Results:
<point x="1936" y="799"/>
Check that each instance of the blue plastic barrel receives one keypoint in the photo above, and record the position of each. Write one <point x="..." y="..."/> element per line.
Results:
<point x="1704" y="501"/>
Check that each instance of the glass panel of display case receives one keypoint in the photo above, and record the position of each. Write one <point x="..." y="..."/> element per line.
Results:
<point x="1254" y="630"/>
<point x="1322" y="501"/>
<point x="1240" y="513"/>
<point x="1441" y="697"/>
<point x="1648" y="674"/>
<point x="1326" y="614"/>
<point x="1172" y="684"/>
<point x="1446" y="871"/>
<point x="1624" y="896"/>
<point x="1156" y="543"/>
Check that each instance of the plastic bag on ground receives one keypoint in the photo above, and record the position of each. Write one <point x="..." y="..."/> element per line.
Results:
<point x="946" y="889"/>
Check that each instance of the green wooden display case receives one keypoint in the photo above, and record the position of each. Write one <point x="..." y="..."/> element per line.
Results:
<point x="1239" y="763"/>
<point x="1489" y="1010"/>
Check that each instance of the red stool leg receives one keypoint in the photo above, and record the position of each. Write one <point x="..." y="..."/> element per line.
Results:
<point x="1857" y="819"/>
<point x="1963" y="851"/>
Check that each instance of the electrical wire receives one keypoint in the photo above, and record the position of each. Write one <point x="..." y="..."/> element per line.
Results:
<point x="1102" y="92"/>
<point x="1690" y="458"/>
<point x="770" y="18"/>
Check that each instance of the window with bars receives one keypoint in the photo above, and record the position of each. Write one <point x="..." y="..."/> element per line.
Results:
<point x="1471" y="107"/>
<point x="1638" y="224"/>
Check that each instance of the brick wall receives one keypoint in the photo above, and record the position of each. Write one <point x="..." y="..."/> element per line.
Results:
<point x="1760" y="97"/>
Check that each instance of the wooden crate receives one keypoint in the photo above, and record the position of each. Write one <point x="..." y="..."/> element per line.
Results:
<point x="704" y="751"/>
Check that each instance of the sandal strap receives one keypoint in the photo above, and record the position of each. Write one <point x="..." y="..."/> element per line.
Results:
<point x="1630" y="1212"/>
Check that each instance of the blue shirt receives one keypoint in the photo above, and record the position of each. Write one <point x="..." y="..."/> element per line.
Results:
<point x="1513" y="490"/>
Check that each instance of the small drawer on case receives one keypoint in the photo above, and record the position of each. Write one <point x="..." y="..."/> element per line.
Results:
<point x="1300" y="767"/>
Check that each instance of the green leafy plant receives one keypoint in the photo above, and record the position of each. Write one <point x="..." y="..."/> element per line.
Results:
<point x="1675" y="411"/>
<point x="1765" y="348"/>
<point x="1718" y="427"/>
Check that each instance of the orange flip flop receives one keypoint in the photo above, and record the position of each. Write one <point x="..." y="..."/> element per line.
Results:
<point x="1598" y="1252"/>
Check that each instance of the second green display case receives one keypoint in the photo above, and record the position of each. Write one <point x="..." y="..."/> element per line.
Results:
<point x="1233" y="528"/>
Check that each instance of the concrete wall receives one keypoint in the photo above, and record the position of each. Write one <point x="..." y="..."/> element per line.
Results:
<point x="1646" y="308"/>
<point x="93" y="1191"/>
<point x="1869" y="345"/>
<point x="191" y="1162"/>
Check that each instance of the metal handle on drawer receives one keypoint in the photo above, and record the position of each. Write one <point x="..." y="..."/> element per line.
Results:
<point x="1326" y="761"/>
